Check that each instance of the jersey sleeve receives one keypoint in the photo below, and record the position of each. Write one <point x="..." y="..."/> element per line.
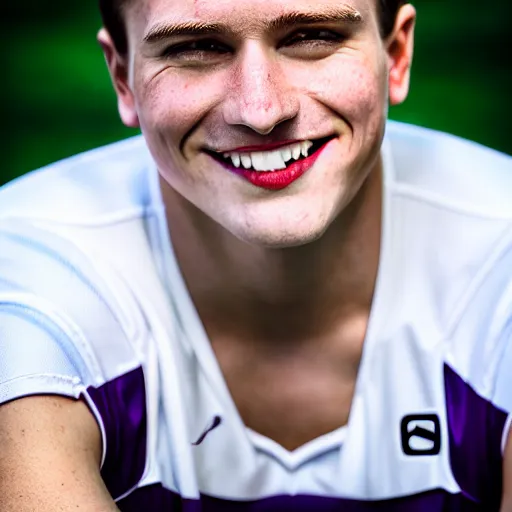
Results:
<point x="37" y="356"/>
<point x="46" y="317"/>
<point x="64" y="330"/>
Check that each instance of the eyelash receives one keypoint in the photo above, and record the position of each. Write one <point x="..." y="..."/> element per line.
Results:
<point x="212" y="46"/>
<point x="203" y="45"/>
<point x="305" y="36"/>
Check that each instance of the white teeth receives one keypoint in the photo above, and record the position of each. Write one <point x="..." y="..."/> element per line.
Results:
<point x="296" y="150"/>
<point x="286" y="153"/>
<point x="258" y="161"/>
<point x="246" y="161"/>
<point x="265" y="161"/>
<point x="275" y="160"/>
<point x="235" y="158"/>
<point x="304" y="147"/>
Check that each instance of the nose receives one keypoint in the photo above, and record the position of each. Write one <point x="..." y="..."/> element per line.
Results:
<point x="260" y="96"/>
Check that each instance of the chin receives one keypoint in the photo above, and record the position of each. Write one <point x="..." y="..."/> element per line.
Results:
<point x="280" y="235"/>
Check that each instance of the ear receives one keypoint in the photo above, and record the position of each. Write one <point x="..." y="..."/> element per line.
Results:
<point x="400" y="46"/>
<point x="118" y="68"/>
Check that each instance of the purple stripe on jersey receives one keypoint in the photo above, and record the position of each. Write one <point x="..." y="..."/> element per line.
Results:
<point x="121" y="404"/>
<point x="158" y="499"/>
<point x="475" y="428"/>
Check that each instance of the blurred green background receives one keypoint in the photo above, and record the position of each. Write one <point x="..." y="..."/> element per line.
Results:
<point x="58" y="99"/>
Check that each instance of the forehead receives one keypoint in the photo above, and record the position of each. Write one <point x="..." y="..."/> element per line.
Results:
<point x="239" y="13"/>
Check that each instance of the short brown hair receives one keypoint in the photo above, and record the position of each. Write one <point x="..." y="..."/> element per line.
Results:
<point x="112" y="15"/>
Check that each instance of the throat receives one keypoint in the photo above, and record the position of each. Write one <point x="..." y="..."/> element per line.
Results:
<point x="291" y="400"/>
<point x="293" y="391"/>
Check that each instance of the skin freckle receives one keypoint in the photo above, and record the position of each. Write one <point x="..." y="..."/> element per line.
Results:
<point x="198" y="5"/>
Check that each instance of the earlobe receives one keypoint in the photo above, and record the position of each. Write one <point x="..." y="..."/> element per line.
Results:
<point x="400" y="46"/>
<point x="118" y="69"/>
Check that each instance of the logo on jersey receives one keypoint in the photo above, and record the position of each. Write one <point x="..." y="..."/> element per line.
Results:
<point x="217" y="420"/>
<point x="421" y="434"/>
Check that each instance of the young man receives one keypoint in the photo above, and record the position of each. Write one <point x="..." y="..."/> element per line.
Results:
<point x="267" y="302"/>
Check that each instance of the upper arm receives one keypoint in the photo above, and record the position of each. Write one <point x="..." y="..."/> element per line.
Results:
<point x="50" y="457"/>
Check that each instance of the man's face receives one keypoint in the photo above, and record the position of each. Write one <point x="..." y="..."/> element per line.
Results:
<point x="218" y="86"/>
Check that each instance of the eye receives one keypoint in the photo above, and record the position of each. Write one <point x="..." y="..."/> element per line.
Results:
<point x="203" y="50"/>
<point x="314" y="36"/>
<point x="312" y="44"/>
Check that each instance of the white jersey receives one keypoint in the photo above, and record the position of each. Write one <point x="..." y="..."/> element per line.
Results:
<point x="93" y="306"/>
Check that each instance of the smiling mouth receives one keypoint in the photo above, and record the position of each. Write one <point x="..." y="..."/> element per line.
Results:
<point x="272" y="160"/>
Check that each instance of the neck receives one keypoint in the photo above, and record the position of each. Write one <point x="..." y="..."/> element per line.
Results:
<point x="278" y="295"/>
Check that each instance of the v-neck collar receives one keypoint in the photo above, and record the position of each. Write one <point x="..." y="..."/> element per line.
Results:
<point x="195" y="339"/>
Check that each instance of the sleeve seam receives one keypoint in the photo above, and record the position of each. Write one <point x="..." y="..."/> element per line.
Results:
<point x="61" y="322"/>
<point x="49" y="384"/>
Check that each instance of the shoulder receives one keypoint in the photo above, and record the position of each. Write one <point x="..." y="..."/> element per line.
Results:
<point x="479" y="337"/>
<point x="72" y="233"/>
<point x="450" y="171"/>
<point x="452" y="213"/>
<point x="102" y="182"/>
<point x="77" y="239"/>
<point x="48" y="281"/>
<point x="451" y="210"/>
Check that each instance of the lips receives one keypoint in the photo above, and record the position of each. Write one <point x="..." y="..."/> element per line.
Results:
<point x="274" y="169"/>
<point x="269" y="160"/>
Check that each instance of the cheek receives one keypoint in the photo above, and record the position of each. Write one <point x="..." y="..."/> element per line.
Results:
<point x="355" y="89"/>
<point x="173" y="102"/>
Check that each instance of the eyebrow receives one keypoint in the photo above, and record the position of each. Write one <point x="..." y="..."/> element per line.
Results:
<point x="342" y="14"/>
<point x="165" y="30"/>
